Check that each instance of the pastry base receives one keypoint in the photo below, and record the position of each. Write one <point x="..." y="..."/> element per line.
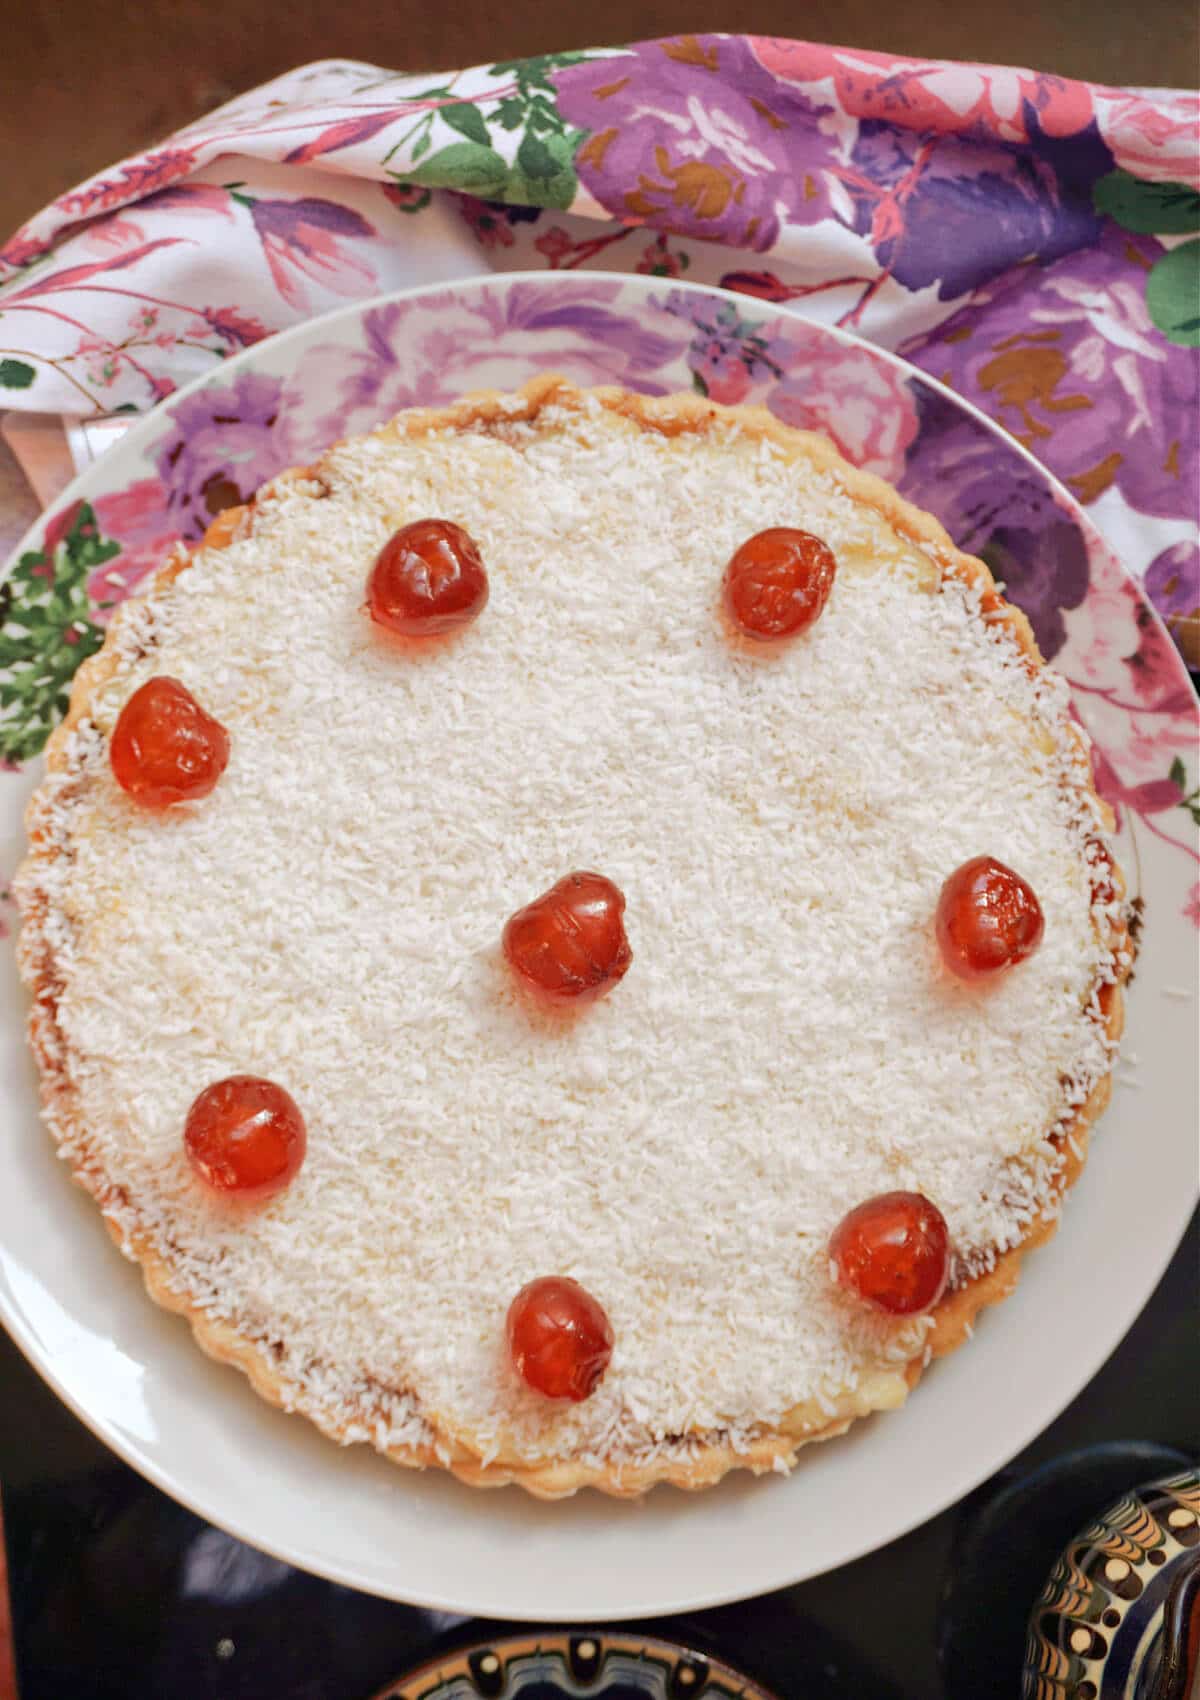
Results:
<point x="706" y="1458"/>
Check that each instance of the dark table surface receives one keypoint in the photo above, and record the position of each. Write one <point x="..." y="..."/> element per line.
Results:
<point x="106" y="1604"/>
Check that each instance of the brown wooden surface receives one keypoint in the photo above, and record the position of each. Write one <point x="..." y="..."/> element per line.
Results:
<point x="87" y="81"/>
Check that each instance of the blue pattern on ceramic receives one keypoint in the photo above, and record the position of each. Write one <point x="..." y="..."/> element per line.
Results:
<point x="1107" y="1625"/>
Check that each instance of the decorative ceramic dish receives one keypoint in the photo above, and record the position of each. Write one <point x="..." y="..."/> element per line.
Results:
<point x="602" y="1666"/>
<point x="1119" y="1616"/>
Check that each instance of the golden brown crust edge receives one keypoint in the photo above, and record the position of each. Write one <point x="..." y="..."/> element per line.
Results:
<point x="709" y="1460"/>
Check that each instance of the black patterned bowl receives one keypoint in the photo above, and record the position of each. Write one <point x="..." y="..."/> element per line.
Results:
<point x="1119" y="1617"/>
<point x="587" y="1665"/>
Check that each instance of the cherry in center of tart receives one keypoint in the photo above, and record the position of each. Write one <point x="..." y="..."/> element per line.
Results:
<point x="570" y="942"/>
<point x="893" y="1251"/>
<point x="559" y="1338"/>
<point x="245" y="1136"/>
<point x="778" y="582"/>
<point x="988" y="919"/>
<point x="165" y="748"/>
<point x="428" y="579"/>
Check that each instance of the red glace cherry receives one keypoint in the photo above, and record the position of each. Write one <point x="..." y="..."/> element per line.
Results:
<point x="165" y="748"/>
<point x="988" y="919"/>
<point x="245" y="1136"/>
<point x="559" y="1337"/>
<point x="778" y="582"/>
<point x="570" y="942"/>
<point x="893" y="1252"/>
<point x="427" y="579"/>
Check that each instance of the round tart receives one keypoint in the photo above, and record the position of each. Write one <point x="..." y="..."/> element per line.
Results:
<point x="786" y="1043"/>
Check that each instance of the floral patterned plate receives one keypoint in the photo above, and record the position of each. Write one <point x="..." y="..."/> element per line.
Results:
<point x="133" y="1374"/>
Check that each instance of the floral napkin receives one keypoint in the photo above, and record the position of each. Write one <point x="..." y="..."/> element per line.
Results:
<point x="1032" y="241"/>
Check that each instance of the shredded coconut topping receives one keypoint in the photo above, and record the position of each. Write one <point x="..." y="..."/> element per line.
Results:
<point x="785" y="1043"/>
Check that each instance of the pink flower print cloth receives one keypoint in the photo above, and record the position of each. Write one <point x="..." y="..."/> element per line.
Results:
<point x="1032" y="241"/>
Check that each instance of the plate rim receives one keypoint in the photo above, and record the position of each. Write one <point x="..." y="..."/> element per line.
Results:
<point x="129" y="1449"/>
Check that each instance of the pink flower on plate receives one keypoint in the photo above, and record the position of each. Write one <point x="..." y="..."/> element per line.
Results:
<point x="1191" y="909"/>
<point x="1130" y="690"/>
<point x="722" y="370"/>
<point x="806" y="378"/>
<point x="306" y="239"/>
<point x="1153" y="138"/>
<point x="851" y="395"/>
<point x="1152" y="669"/>
<point x="55" y="530"/>
<point x="1116" y="650"/>
<point x="1147" y="797"/>
<point x="137" y="519"/>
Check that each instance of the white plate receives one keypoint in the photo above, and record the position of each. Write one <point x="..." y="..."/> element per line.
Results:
<point x="194" y="1428"/>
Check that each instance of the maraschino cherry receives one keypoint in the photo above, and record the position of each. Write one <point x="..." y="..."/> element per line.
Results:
<point x="777" y="583"/>
<point x="570" y="942"/>
<point x="245" y="1136"/>
<point x="427" y="579"/>
<point x="559" y="1337"/>
<point x="165" y="748"/>
<point x="988" y="919"/>
<point x="893" y="1252"/>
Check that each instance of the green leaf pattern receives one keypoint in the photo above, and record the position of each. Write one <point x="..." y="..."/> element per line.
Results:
<point x="506" y="145"/>
<point x="1189" y="800"/>
<point x="46" y="631"/>
<point x="1173" y="294"/>
<point x="16" y="374"/>
<point x="1161" y="209"/>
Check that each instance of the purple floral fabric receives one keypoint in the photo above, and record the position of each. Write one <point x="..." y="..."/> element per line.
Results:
<point x="1066" y="357"/>
<point x="677" y="138"/>
<point x="1029" y="240"/>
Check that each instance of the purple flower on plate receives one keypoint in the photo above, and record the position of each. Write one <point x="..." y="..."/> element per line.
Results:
<point x="998" y="507"/>
<point x="729" y="350"/>
<point x="805" y="376"/>
<point x="426" y="352"/>
<point x="954" y="211"/>
<point x="1066" y="358"/>
<point x="222" y="445"/>
<point x="693" y="135"/>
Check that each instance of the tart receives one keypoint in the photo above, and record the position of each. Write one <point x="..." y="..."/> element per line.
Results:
<point x="780" y="820"/>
